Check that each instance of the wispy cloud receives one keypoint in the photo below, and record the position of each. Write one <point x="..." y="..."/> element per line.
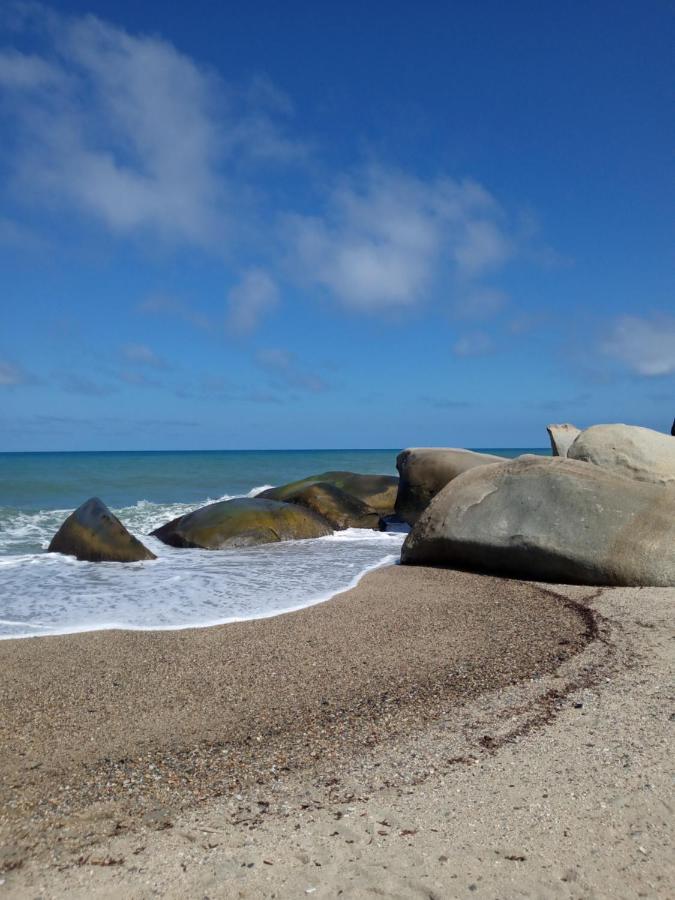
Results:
<point x="136" y="135"/>
<point x="249" y="300"/>
<point x="480" y="302"/>
<point x="385" y="236"/>
<point x="477" y="343"/>
<point x="75" y="383"/>
<point x="284" y="365"/>
<point x="13" y="375"/>
<point x="130" y="130"/>
<point x="164" y="305"/>
<point x="143" y="355"/>
<point x="646" y="346"/>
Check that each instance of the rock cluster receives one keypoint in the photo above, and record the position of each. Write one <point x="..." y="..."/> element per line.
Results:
<point x="603" y="514"/>
<point x="311" y="508"/>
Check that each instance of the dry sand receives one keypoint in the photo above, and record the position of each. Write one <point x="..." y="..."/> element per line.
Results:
<point x="430" y="733"/>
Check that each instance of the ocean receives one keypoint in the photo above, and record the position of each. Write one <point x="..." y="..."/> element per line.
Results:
<point x="47" y="593"/>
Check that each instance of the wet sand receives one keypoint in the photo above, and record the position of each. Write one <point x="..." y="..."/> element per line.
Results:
<point x="120" y="748"/>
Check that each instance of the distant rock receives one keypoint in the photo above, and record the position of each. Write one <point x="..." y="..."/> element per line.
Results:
<point x="243" y="522"/>
<point x="341" y="510"/>
<point x="378" y="491"/>
<point x="629" y="450"/>
<point x="94" y="534"/>
<point x="550" y="519"/>
<point x="425" y="471"/>
<point x="562" y="437"/>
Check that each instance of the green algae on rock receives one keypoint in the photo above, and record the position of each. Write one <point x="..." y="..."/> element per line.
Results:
<point x="378" y="491"/>
<point x="342" y="510"/>
<point x="93" y="534"/>
<point x="242" y="522"/>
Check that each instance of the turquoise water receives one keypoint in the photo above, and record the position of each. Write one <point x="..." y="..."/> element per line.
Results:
<point x="47" y="593"/>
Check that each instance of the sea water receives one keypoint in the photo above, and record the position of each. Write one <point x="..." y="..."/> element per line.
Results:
<point x="45" y="593"/>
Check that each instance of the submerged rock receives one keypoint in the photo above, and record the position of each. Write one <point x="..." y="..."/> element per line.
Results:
<point x="562" y="437"/>
<point x="378" y="491"/>
<point x="425" y="471"/>
<point x="340" y="509"/>
<point x="629" y="450"/>
<point x="243" y="522"/>
<point x="94" y="534"/>
<point x="550" y="519"/>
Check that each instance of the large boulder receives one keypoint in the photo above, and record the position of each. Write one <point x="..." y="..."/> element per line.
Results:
<point x="425" y="471"/>
<point x="550" y="519"/>
<point x="341" y="510"/>
<point x="562" y="437"/>
<point x="378" y="491"/>
<point x="94" y="534"/>
<point x="628" y="450"/>
<point x="243" y="522"/>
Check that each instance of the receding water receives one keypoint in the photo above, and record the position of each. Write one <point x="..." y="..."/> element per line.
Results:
<point x="48" y="593"/>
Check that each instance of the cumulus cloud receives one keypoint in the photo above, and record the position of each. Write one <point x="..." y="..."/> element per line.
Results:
<point x="130" y="130"/>
<point x="646" y="346"/>
<point x="385" y="236"/>
<point x="249" y="300"/>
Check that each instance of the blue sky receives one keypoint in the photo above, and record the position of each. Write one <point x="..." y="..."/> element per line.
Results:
<point x="272" y="225"/>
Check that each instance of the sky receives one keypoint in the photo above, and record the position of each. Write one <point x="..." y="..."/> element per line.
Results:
<point x="314" y="225"/>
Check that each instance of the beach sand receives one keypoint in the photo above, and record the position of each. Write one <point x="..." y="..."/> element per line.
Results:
<point x="429" y="733"/>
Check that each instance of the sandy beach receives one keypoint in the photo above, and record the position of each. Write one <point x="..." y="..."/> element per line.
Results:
<point x="429" y="733"/>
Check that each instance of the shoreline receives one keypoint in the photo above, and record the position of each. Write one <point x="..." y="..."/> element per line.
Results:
<point x="385" y="739"/>
<point x="389" y="560"/>
<point x="86" y="714"/>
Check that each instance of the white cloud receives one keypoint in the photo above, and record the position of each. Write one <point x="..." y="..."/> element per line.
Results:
<point x="385" y="237"/>
<point x="645" y="346"/>
<point x="25" y="70"/>
<point x="249" y="300"/>
<point x="133" y="132"/>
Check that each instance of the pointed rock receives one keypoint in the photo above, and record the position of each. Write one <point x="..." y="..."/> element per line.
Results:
<point x="94" y="534"/>
<point x="562" y="437"/>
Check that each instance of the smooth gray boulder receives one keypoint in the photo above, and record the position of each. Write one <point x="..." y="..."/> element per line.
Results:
<point x="92" y="533"/>
<point x="629" y="450"/>
<point x="562" y="437"/>
<point x="550" y="519"/>
<point x="424" y="471"/>
<point x="243" y="522"/>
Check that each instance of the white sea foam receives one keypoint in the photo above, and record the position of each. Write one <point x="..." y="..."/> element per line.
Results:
<point x="48" y="593"/>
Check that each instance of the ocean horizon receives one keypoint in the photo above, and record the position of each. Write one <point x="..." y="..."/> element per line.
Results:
<point x="45" y="593"/>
